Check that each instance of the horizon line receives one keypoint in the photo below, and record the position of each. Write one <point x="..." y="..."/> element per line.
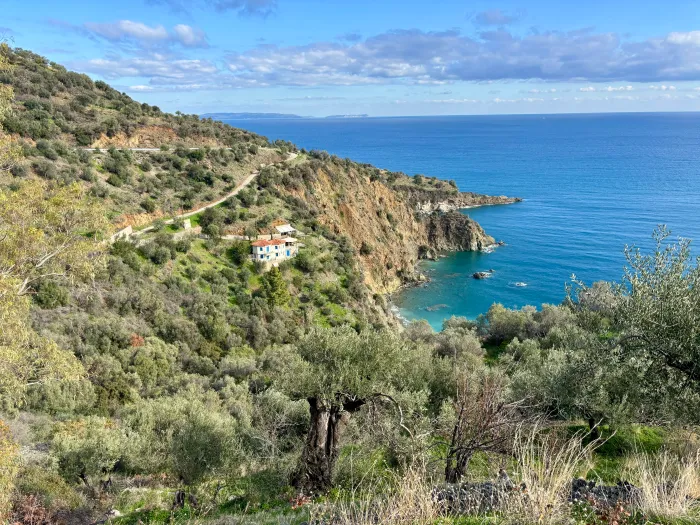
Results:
<point x="363" y="116"/>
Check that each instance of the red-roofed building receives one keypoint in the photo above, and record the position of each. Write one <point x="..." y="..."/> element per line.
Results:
<point x="273" y="251"/>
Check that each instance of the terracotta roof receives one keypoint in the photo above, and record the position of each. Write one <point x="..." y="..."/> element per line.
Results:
<point x="267" y="242"/>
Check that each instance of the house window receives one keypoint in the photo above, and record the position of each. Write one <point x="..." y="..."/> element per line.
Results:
<point x="287" y="253"/>
<point x="268" y="249"/>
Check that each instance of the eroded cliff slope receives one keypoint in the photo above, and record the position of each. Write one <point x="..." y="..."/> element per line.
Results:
<point x="391" y="220"/>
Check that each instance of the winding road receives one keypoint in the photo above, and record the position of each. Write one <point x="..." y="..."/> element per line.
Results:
<point x="236" y="191"/>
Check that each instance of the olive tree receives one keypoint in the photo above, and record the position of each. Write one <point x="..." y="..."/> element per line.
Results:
<point x="338" y="371"/>
<point x="654" y="333"/>
<point x="482" y="419"/>
<point x="658" y="311"/>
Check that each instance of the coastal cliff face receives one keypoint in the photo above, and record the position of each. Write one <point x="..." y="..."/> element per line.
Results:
<point x="382" y="229"/>
<point x="427" y="201"/>
<point x="382" y="219"/>
<point x="455" y="232"/>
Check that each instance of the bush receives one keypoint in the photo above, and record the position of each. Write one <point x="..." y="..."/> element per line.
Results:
<point x="149" y="205"/>
<point x="45" y="169"/>
<point x="9" y="467"/>
<point x="51" y="295"/>
<point x="49" y="488"/>
<point x="87" y="449"/>
<point x="19" y="170"/>
<point x="366" y="249"/>
<point x="188" y="435"/>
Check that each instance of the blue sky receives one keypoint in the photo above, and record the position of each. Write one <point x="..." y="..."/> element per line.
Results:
<point x="381" y="57"/>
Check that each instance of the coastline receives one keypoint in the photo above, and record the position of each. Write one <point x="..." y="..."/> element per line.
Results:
<point x="422" y="279"/>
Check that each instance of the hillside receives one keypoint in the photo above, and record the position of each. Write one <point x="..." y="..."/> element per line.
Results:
<point x="75" y="130"/>
<point x="166" y="377"/>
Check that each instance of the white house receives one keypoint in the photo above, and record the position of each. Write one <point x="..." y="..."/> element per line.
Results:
<point x="274" y="251"/>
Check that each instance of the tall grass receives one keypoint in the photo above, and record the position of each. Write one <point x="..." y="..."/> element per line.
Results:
<point x="408" y="501"/>
<point x="669" y="484"/>
<point x="546" y="463"/>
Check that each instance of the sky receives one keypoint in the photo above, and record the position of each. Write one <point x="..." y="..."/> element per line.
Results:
<point x="376" y="57"/>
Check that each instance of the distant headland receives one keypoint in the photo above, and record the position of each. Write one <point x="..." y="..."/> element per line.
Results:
<point x="250" y="116"/>
<point x="259" y="116"/>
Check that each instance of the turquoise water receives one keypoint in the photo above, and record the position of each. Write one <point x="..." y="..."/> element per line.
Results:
<point x="591" y="184"/>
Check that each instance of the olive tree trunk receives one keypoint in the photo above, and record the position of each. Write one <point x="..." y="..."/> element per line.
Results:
<point x="456" y="465"/>
<point x="314" y="474"/>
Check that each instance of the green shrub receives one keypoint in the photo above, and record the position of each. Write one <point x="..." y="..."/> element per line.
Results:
<point x="51" y="295"/>
<point x="87" y="449"/>
<point x="49" y="487"/>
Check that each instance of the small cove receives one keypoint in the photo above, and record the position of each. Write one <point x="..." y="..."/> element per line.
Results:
<point x="591" y="184"/>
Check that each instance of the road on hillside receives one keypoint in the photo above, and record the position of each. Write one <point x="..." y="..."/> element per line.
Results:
<point x="239" y="188"/>
<point x="141" y="149"/>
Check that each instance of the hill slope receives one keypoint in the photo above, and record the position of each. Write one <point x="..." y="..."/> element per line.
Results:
<point x="390" y="219"/>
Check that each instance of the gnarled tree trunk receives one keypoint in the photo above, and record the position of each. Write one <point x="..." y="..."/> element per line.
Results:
<point x="456" y="465"/>
<point x="328" y="421"/>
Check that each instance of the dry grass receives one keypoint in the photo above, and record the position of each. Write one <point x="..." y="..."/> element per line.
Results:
<point x="669" y="483"/>
<point x="546" y="462"/>
<point x="409" y="502"/>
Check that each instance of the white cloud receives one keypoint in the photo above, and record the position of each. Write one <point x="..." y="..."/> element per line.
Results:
<point x="128" y="31"/>
<point x="691" y="37"/>
<point x="495" y="17"/>
<point x="189" y="36"/>
<point x="516" y="100"/>
<point x="261" y="8"/>
<point x="452" y="101"/>
<point x="618" y="88"/>
<point x="663" y="88"/>
<point x="408" y="57"/>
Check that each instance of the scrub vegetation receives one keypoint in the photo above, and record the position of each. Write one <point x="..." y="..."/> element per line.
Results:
<point x="167" y="378"/>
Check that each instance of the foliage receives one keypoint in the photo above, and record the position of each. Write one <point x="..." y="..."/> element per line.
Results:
<point x="10" y="153"/>
<point x="337" y="364"/>
<point x="43" y="236"/>
<point x="190" y="437"/>
<point x="9" y="467"/>
<point x="274" y="288"/>
<point x="87" y="449"/>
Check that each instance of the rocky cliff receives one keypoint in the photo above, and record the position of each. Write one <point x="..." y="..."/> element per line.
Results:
<point x="429" y="200"/>
<point x="382" y="219"/>
<point x="455" y="232"/>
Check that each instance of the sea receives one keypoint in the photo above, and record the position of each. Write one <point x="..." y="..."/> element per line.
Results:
<point x="591" y="184"/>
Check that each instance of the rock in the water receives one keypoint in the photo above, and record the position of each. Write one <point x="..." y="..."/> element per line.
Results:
<point x="481" y="275"/>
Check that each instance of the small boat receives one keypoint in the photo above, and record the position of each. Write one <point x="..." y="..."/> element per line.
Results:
<point x="521" y="284"/>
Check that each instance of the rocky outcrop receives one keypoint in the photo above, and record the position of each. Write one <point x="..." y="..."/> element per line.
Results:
<point x="455" y="232"/>
<point x="382" y="222"/>
<point x="427" y="201"/>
